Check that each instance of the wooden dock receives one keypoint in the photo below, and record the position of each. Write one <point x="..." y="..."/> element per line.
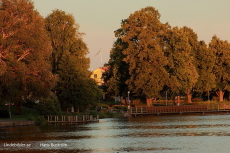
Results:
<point x="157" y="110"/>
<point x="72" y="119"/>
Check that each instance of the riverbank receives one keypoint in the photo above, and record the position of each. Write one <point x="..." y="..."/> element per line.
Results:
<point x="13" y="123"/>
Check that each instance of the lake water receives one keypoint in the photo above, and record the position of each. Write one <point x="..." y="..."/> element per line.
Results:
<point x="164" y="134"/>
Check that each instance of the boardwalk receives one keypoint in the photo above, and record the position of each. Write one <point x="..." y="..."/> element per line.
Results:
<point x="174" y="110"/>
<point x="72" y="119"/>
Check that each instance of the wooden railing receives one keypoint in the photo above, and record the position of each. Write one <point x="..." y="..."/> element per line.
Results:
<point x="168" y="109"/>
<point x="79" y="118"/>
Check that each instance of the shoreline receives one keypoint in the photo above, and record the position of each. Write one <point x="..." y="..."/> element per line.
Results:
<point x="11" y="123"/>
<point x="15" y="123"/>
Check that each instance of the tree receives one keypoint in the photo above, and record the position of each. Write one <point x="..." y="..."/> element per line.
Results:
<point x="64" y="35"/>
<point x="74" y="88"/>
<point x="24" y="53"/>
<point x="181" y="67"/>
<point x="205" y="60"/>
<point x="69" y="61"/>
<point x="144" y="34"/>
<point x="117" y="74"/>
<point x="221" y="50"/>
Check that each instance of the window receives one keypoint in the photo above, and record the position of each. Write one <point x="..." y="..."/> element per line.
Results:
<point x="95" y="75"/>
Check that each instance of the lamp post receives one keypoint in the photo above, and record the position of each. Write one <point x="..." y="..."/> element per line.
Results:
<point x="128" y="99"/>
<point x="166" y="98"/>
<point x="9" y="110"/>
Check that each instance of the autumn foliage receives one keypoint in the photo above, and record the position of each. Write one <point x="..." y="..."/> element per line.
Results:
<point x="150" y="58"/>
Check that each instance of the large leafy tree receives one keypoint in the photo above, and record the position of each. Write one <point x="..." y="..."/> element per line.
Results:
<point x="144" y="34"/>
<point x="64" y="35"/>
<point x="205" y="60"/>
<point x="181" y="68"/>
<point x="69" y="61"/>
<point x="24" y="53"/>
<point x="117" y="74"/>
<point x="221" y="50"/>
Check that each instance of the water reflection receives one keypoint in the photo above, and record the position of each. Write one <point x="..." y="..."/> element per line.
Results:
<point x="137" y="134"/>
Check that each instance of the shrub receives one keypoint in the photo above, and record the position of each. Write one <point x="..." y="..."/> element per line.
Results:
<point x="49" y="106"/>
<point x="40" y="120"/>
<point x="31" y="117"/>
<point x="102" y="115"/>
<point x="94" y="113"/>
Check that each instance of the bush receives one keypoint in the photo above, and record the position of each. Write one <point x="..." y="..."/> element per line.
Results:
<point x="49" y="106"/>
<point x="40" y="120"/>
<point x="106" y="115"/>
<point x="102" y="115"/>
<point x="4" y="113"/>
<point x="94" y="113"/>
<point x="31" y="117"/>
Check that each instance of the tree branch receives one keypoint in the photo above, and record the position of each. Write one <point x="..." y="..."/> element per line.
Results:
<point x="27" y="52"/>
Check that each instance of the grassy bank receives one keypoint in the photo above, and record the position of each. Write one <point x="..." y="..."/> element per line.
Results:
<point x="26" y="113"/>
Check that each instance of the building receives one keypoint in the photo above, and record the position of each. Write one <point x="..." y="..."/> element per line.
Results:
<point x="97" y="75"/>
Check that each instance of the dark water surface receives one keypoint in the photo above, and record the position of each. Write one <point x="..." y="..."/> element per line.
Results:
<point x="166" y="134"/>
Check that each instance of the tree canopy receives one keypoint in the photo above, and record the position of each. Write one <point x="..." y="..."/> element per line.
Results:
<point x="24" y="53"/>
<point x="69" y="61"/>
<point x="221" y="50"/>
<point x="181" y="66"/>
<point x="149" y="57"/>
<point x="144" y="34"/>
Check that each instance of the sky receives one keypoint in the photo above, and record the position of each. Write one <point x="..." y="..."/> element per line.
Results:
<point x="98" y="19"/>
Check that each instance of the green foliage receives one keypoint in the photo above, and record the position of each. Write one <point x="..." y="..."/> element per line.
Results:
<point x="149" y="58"/>
<point x="40" y="120"/>
<point x="205" y="60"/>
<point x="181" y="67"/>
<point x="25" y="52"/>
<point x="221" y="66"/>
<point x="105" y="114"/>
<point x="74" y="87"/>
<point x="145" y="34"/>
<point x="30" y="117"/>
<point x="116" y="76"/>
<point x="48" y="106"/>
<point x="137" y="60"/>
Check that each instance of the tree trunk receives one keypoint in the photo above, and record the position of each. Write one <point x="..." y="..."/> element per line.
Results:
<point x="18" y="104"/>
<point x="189" y="97"/>
<point x="220" y="95"/>
<point x="18" y="109"/>
<point x="67" y="110"/>
<point x="149" y="102"/>
<point x="177" y="100"/>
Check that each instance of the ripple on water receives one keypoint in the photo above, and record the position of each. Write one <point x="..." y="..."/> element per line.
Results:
<point x="140" y="134"/>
